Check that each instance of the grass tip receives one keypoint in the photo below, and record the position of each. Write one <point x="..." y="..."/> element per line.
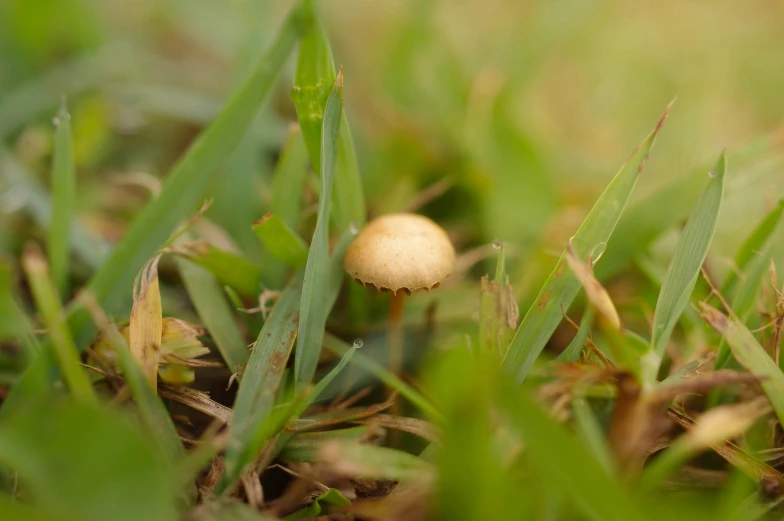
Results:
<point x="339" y="79"/>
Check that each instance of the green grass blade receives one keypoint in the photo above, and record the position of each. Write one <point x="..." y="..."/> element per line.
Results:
<point x="288" y="179"/>
<point x="281" y="241"/>
<point x="321" y="506"/>
<point x="562" y="286"/>
<point x="689" y="255"/>
<point x="210" y="303"/>
<point x="304" y="447"/>
<point x="590" y="432"/>
<point x="48" y="304"/>
<point x="259" y="385"/>
<point x="13" y="320"/>
<point x="754" y="243"/>
<point x="575" y="347"/>
<point x="230" y="268"/>
<point x="314" y="308"/>
<point x="315" y="73"/>
<point x="750" y="354"/>
<point x="63" y="200"/>
<point x="743" y="303"/>
<point x="339" y="347"/>
<point x="374" y="462"/>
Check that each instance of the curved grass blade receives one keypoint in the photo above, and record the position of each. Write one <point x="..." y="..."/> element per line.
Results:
<point x="750" y="354"/>
<point x="63" y="200"/>
<point x="339" y="347"/>
<point x="210" y="303"/>
<point x="288" y="178"/>
<point x="689" y="255"/>
<point x="259" y="385"/>
<point x="304" y="446"/>
<point x="372" y="462"/>
<point x="575" y="347"/>
<point x="321" y="506"/>
<point x="315" y="73"/>
<point x="562" y="286"/>
<point x="14" y="322"/>
<point x="281" y="241"/>
<point x="48" y="304"/>
<point x="231" y="269"/>
<point x="754" y="243"/>
<point x="314" y="308"/>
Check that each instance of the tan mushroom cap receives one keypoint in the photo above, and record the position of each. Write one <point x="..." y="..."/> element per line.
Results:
<point x="400" y="251"/>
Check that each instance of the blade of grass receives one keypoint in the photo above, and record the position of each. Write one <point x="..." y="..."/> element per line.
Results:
<point x="48" y="304"/>
<point x="63" y="200"/>
<point x="562" y="286"/>
<point x="289" y="177"/>
<point x="575" y="347"/>
<point x="744" y="301"/>
<point x="685" y="266"/>
<point x="750" y="354"/>
<point x="321" y="506"/>
<point x="339" y="347"/>
<point x="372" y="462"/>
<point x="230" y="268"/>
<point x="281" y="241"/>
<point x="210" y="303"/>
<point x="753" y="244"/>
<point x="314" y="310"/>
<point x="498" y="312"/>
<point x="304" y="446"/>
<point x="591" y="433"/>
<point x="315" y="73"/>
<point x="13" y="319"/>
<point x="259" y="385"/>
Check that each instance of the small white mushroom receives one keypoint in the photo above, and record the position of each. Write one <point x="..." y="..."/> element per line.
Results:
<point x="400" y="252"/>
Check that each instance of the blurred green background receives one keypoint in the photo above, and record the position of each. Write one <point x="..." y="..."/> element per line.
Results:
<point x="525" y="108"/>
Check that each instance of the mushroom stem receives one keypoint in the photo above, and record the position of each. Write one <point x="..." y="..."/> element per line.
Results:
<point x="395" y="332"/>
<point x="395" y="346"/>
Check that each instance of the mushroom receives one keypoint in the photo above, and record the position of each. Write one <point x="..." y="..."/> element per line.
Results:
<point x="400" y="253"/>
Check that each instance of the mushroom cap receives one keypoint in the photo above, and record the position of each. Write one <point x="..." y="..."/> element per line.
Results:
<point x="400" y="251"/>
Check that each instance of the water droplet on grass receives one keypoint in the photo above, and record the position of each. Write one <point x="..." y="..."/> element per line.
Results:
<point x="497" y="244"/>
<point x="358" y="343"/>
